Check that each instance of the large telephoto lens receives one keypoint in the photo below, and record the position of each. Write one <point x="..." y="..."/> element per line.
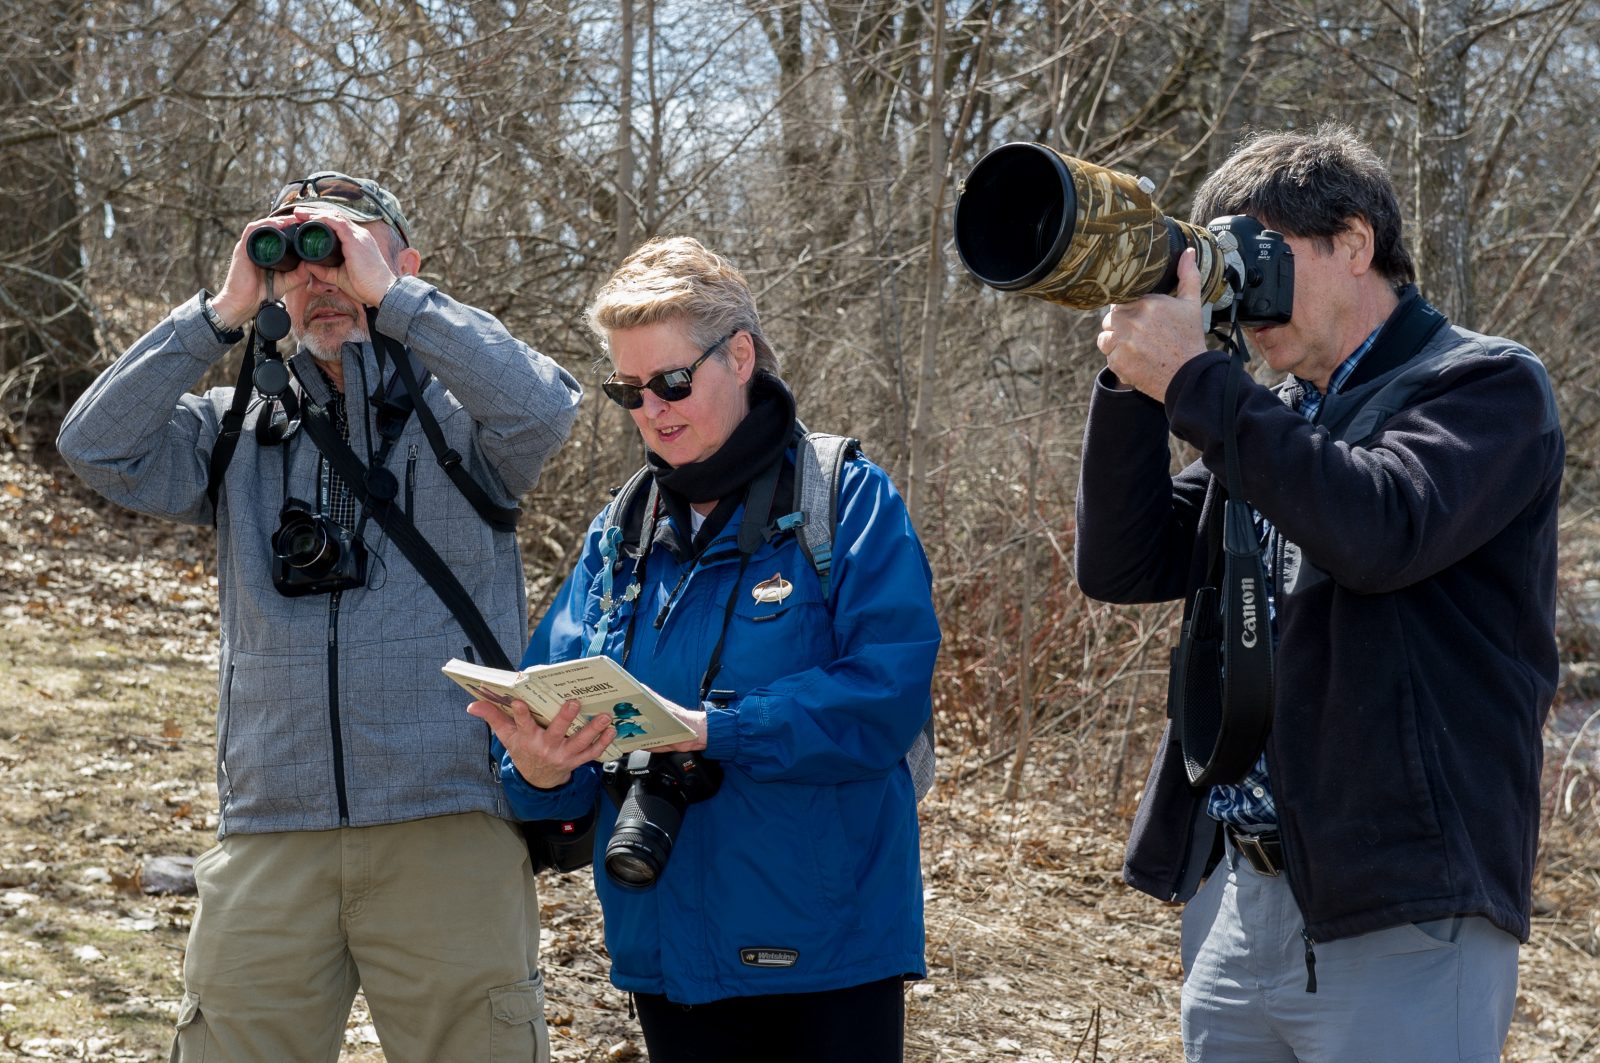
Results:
<point x="1032" y="220"/>
<point x="1015" y="217"/>
<point x="272" y="249"/>
<point x="642" y="839"/>
<point x="317" y="243"/>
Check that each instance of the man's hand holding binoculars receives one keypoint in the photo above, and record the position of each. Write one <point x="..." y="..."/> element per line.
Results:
<point x="366" y="272"/>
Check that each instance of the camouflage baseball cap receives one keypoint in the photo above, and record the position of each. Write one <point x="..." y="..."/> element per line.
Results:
<point x="354" y="197"/>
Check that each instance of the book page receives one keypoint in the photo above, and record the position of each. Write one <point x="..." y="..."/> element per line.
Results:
<point x="641" y="720"/>
<point x="502" y="688"/>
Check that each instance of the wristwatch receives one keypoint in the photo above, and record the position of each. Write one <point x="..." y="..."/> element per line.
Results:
<point x="214" y="319"/>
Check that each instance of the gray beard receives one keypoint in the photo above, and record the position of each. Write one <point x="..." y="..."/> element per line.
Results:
<point x="330" y="354"/>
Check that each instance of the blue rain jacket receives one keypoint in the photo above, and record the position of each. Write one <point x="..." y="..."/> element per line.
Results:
<point x="802" y="873"/>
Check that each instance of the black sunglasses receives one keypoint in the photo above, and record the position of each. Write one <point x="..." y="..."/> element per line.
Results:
<point x="674" y="385"/>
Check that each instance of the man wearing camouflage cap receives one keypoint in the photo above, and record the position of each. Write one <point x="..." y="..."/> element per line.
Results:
<point x="364" y="838"/>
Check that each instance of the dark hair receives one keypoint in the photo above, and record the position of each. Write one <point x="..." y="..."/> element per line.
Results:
<point x="1311" y="184"/>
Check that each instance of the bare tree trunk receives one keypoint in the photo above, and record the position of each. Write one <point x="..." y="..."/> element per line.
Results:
<point x="625" y="204"/>
<point x="1025" y="705"/>
<point x="42" y="303"/>
<point x="920" y="488"/>
<point x="1443" y="192"/>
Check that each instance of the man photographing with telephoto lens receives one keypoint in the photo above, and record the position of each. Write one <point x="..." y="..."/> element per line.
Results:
<point x="1358" y="888"/>
<point x="364" y="839"/>
<point x="1368" y="879"/>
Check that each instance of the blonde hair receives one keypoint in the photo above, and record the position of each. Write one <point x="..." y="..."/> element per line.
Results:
<point x="675" y="278"/>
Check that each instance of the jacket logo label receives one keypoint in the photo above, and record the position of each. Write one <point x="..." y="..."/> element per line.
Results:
<point x="763" y="957"/>
<point x="1247" y="596"/>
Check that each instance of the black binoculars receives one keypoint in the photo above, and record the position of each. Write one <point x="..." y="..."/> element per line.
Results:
<point x="302" y="241"/>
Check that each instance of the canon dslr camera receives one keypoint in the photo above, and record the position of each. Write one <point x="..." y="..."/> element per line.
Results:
<point x="651" y="791"/>
<point x="313" y="554"/>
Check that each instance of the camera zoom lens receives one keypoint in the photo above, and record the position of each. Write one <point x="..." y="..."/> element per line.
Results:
<point x="304" y="544"/>
<point x="641" y="841"/>
<point x="629" y="869"/>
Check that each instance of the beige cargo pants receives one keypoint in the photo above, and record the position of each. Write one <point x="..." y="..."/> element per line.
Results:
<point x="437" y="920"/>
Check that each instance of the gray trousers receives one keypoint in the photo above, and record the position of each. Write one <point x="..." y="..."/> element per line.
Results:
<point x="1419" y="993"/>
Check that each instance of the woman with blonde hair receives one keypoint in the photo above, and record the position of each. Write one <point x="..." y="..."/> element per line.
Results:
<point x="789" y="914"/>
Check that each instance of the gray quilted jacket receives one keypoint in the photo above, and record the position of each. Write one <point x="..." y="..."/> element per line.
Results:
<point x="332" y="708"/>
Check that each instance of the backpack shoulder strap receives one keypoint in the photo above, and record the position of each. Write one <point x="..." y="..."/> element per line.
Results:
<point x="818" y="467"/>
<point x="626" y="510"/>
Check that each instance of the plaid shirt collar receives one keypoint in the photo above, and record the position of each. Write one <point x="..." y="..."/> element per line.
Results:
<point x="334" y="497"/>
<point x="1311" y="398"/>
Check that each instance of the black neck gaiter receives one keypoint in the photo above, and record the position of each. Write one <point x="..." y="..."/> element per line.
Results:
<point x="757" y="441"/>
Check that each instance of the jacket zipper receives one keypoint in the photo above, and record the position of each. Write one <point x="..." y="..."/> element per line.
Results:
<point x="224" y="724"/>
<point x="1278" y="553"/>
<point x="333" y="707"/>
<point x="411" y="476"/>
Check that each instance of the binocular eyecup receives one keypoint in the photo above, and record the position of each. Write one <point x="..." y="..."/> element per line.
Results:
<point x="282" y="249"/>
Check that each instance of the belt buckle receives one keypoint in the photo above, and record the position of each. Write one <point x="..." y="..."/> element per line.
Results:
<point x="1256" y="853"/>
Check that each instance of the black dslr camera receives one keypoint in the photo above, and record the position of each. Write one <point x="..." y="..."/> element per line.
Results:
<point x="312" y="554"/>
<point x="1259" y="267"/>
<point x="651" y="791"/>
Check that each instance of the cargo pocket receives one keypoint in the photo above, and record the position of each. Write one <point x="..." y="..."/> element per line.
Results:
<point x="192" y="1042"/>
<point x="517" y="1031"/>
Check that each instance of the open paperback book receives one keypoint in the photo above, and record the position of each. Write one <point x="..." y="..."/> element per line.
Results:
<point x="641" y="720"/>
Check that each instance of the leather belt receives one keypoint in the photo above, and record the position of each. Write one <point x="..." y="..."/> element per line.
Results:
<point x="1263" y="850"/>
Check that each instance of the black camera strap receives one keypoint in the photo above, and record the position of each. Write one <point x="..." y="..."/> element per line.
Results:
<point x="232" y="424"/>
<point x="266" y="374"/>
<point x="1228" y="728"/>
<point x="501" y="518"/>
<point x="1247" y="655"/>
<point x="377" y="499"/>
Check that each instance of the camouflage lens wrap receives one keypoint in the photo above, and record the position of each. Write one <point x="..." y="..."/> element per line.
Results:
<point x="1121" y="247"/>
<point x="1207" y="259"/>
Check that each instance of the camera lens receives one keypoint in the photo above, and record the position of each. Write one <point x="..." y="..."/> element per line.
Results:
<point x="303" y="543"/>
<point x="315" y="242"/>
<point x="1016" y="217"/>
<point x="641" y="841"/>
<point x="630" y="870"/>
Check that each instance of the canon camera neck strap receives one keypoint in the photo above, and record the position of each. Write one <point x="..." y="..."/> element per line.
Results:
<point x="1229" y="731"/>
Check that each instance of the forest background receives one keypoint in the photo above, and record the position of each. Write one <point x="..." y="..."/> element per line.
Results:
<point x="820" y="145"/>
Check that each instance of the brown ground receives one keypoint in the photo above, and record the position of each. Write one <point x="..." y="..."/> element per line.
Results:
<point x="1036" y="949"/>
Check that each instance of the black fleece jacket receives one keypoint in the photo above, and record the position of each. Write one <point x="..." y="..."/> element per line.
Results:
<point x="1415" y="609"/>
